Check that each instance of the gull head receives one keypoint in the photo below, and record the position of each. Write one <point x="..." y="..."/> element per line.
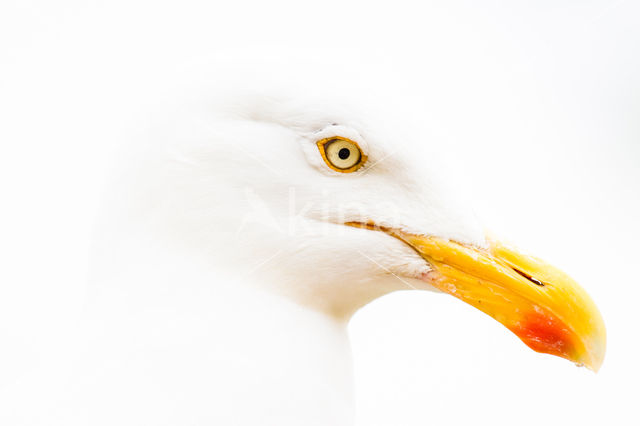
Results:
<point x="334" y="204"/>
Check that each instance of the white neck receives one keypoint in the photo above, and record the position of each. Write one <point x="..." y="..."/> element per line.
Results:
<point x="237" y="354"/>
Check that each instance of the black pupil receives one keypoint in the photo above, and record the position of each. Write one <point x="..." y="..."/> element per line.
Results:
<point x="344" y="153"/>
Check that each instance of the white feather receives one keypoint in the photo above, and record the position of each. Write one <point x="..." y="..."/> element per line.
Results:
<point x="223" y="273"/>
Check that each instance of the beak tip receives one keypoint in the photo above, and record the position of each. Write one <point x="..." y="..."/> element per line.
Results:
<point x="597" y="354"/>
<point x="545" y="333"/>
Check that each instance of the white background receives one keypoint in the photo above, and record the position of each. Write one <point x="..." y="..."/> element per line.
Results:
<point x="539" y="102"/>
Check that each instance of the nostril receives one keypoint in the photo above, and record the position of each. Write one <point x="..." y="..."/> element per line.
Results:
<point x="529" y="277"/>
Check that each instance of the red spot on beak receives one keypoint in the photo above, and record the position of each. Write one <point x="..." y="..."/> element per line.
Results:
<point x="544" y="332"/>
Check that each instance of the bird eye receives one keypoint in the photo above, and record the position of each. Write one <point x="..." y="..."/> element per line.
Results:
<point x="341" y="154"/>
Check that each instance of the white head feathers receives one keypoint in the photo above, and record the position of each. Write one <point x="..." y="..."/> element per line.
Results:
<point x="245" y="186"/>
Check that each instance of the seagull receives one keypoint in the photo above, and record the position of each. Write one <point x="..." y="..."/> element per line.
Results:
<point x="237" y="241"/>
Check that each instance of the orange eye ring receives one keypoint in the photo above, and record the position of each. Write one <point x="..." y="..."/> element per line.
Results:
<point x="341" y="154"/>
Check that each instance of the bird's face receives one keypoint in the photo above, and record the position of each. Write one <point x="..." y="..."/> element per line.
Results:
<point x="336" y="209"/>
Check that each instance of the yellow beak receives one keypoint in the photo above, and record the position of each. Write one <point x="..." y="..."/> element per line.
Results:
<point x="542" y="305"/>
